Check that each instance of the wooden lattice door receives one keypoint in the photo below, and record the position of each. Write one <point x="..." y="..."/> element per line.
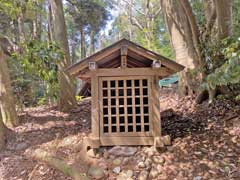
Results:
<point x="125" y="106"/>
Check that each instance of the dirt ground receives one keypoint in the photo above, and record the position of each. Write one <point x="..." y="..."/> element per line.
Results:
<point x="205" y="143"/>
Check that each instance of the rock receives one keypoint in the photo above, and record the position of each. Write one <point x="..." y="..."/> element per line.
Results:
<point x="170" y="148"/>
<point x="111" y="157"/>
<point x="129" y="173"/>
<point x="96" y="172"/>
<point x="106" y="155"/>
<point x="153" y="173"/>
<point x="141" y="165"/>
<point x="91" y="153"/>
<point x="148" y="163"/>
<point x="125" y="175"/>
<point x="117" y="170"/>
<point x="143" y="175"/>
<point x="197" y="152"/>
<point x="122" y="151"/>
<point x="159" y="168"/>
<point x="197" y="178"/>
<point x="166" y="140"/>
<point x="125" y="161"/>
<point x="103" y="165"/>
<point x="121" y="177"/>
<point x="117" y="162"/>
<point x="21" y="146"/>
<point x="150" y="151"/>
<point x="158" y="159"/>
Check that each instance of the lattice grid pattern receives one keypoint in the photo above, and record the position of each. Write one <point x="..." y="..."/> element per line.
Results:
<point x="125" y="106"/>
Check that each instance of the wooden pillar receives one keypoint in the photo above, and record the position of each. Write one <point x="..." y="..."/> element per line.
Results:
<point x="124" y="50"/>
<point x="95" y="101"/>
<point x="156" y="119"/>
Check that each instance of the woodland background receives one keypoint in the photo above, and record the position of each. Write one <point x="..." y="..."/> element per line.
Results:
<point x="43" y="119"/>
<point x="40" y="38"/>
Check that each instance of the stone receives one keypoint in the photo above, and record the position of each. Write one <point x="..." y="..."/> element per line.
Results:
<point x="106" y="155"/>
<point x="21" y="146"/>
<point x="125" y="175"/>
<point x="117" y="162"/>
<point x="125" y="161"/>
<point x="166" y="140"/>
<point x="124" y="151"/>
<point x="129" y="173"/>
<point x="121" y="177"/>
<point x="111" y="157"/>
<point x="103" y="165"/>
<point x="158" y="142"/>
<point x="197" y="178"/>
<point x="96" y="172"/>
<point x="91" y="153"/>
<point x="158" y="159"/>
<point x="170" y="148"/>
<point x="159" y="168"/>
<point x="150" y="151"/>
<point x="143" y="175"/>
<point x="197" y="152"/>
<point x="153" y="173"/>
<point x="148" y="163"/>
<point x="141" y="165"/>
<point x="117" y="170"/>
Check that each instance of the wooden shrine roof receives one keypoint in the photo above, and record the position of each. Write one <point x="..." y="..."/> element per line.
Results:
<point x="110" y="57"/>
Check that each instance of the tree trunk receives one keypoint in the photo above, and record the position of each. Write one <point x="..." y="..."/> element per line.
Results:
<point x="7" y="104"/>
<point x="83" y="53"/>
<point x="183" y="44"/>
<point x="224" y="18"/>
<point x="92" y="46"/>
<point x="74" y="42"/>
<point x="34" y="29"/>
<point x="2" y="132"/>
<point x="66" y="87"/>
<point x="50" y="24"/>
<point x="224" y="28"/>
<point x="20" y="21"/>
<point x="210" y="15"/>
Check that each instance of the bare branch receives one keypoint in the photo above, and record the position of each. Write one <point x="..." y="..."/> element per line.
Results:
<point x="134" y="21"/>
<point x="157" y="12"/>
<point x="132" y="6"/>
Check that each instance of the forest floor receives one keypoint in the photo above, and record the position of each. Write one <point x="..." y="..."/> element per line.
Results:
<point x="205" y="144"/>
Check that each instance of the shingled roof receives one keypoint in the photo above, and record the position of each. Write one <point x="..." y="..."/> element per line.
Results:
<point x="110" y="57"/>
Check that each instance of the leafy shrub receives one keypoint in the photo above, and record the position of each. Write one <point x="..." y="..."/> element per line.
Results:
<point x="39" y="62"/>
<point x="229" y="72"/>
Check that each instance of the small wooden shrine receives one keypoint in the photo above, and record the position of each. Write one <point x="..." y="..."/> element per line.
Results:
<point x="124" y="80"/>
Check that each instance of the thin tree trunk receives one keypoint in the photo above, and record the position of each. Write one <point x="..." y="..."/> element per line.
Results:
<point x="7" y="104"/>
<point x="2" y="132"/>
<point x="83" y="55"/>
<point x="92" y="46"/>
<point x="66" y="87"/>
<point x="50" y="24"/>
<point x="21" y="33"/>
<point x="210" y="14"/>
<point x="224" y="18"/>
<point x="34" y="29"/>
<point x="74" y="41"/>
